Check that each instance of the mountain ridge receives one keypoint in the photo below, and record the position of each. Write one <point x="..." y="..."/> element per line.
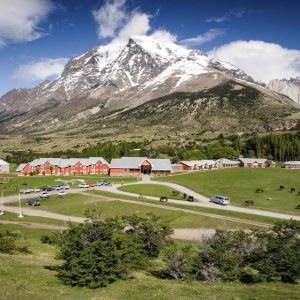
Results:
<point x="117" y="77"/>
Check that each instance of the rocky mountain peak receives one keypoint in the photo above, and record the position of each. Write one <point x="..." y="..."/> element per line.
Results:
<point x="289" y="87"/>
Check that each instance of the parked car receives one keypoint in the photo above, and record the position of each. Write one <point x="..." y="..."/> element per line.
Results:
<point x="57" y="187"/>
<point x="33" y="202"/>
<point x="44" y="195"/>
<point x="163" y="199"/>
<point x="25" y="191"/>
<point x="91" y="184"/>
<point x="62" y="193"/>
<point x="190" y="199"/>
<point x="106" y="182"/>
<point x="47" y="188"/>
<point x="65" y="187"/>
<point x="223" y="200"/>
<point x="100" y="182"/>
<point x="84" y="185"/>
<point x="35" y="190"/>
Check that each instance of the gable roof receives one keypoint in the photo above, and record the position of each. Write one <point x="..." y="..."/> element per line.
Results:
<point x="3" y="162"/>
<point x="64" y="162"/>
<point x="192" y="163"/>
<point x="160" y="164"/>
<point x="136" y="162"/>
<point x="292" y="163"/>
<point x="228" y="161"/>
<point x="21" y="167"/>
<point x="253" y="160"/>
<point x="127" y="162"/>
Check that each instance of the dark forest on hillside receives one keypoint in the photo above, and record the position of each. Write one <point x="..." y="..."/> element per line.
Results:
<point x="279" y="147"/>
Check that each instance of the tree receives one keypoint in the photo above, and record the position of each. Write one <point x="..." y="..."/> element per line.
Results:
<point x="99" y="251"/>
<point x="178" y="260"/>
<point x="8" y="242"/>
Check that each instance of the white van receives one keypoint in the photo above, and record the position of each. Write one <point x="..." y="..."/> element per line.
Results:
<point x="220" y="200"/>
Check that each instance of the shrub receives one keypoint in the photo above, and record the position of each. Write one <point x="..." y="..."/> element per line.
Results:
<point x="99" y="252"/>
<point x="8" y="243"/>
<point x="178" y="261"/>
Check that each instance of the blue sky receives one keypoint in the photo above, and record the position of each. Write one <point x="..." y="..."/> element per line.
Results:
<point x="37" y="39"/>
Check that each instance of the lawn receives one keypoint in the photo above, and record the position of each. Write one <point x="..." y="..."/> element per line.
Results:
<point x="77" y="204"/>
<point x="30" y="219"/>
<point x="29" y="277"/>
<point x="155" y="190"/>
<point x="215" y="211"/>
<point x="12" y="185"/>
<point x="240" y="184"/>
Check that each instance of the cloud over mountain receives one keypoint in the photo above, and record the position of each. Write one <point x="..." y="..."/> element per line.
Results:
<point x="40" y="70"/>
<point x="261" y="60"/>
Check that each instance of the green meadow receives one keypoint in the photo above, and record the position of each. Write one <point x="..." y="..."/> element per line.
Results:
<point x="78" y="204"/>
<point x="240" y="185"/>
<point x="31" y="276"/>
<point x="155" y="190"/>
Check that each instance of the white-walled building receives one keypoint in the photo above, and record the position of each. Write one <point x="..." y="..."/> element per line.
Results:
<point x="4" y="167"/>
<point x="292" y="164"/>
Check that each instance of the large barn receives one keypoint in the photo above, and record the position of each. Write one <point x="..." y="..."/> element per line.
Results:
<point x="139" y="165"/>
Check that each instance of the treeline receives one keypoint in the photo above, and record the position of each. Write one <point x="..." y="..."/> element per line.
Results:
<point x="279" y="147"/>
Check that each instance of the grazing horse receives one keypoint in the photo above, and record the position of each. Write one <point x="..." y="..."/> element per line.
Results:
<point x="259" y="190"/>
<point x="249" y="203"/>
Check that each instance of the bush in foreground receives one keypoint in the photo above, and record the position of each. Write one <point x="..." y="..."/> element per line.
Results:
<point x="251" y="257"/>
<point x="99" y="252"/>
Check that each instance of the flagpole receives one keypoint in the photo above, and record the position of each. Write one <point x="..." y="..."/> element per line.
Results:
<point x="2" y="205"/>
<point x="20" y="208"/>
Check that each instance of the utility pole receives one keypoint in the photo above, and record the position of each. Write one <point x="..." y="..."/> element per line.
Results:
<point x="20" y="207"/>
<point x="2" y="204"/>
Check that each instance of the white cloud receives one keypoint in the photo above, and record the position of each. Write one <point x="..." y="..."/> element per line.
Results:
<point x="227" y="16"/>
<point x="164" y="36"/>
<point x="116" y="22"/>
<point x="40" y="70"/>
<point x="261" y="60"/>
<point x="19" y="19"/>
<point x="204" y="38"/>
<point x="138" y="24"/>
<point x="110" y="17"/>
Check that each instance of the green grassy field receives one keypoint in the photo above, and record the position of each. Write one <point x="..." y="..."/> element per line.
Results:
<point x="155" y="190"/>
<point x="241" y="184"/>
<point x="77" y="204"/>
<point x="11" y="185"/>
<point x="8" y="216"/>
<point x="214" y="211"/>
<point x="29" y="277"/>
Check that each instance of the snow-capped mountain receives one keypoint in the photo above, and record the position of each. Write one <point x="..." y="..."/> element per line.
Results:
<point x="115" y="77"/>
<point x="289" y="87"/>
